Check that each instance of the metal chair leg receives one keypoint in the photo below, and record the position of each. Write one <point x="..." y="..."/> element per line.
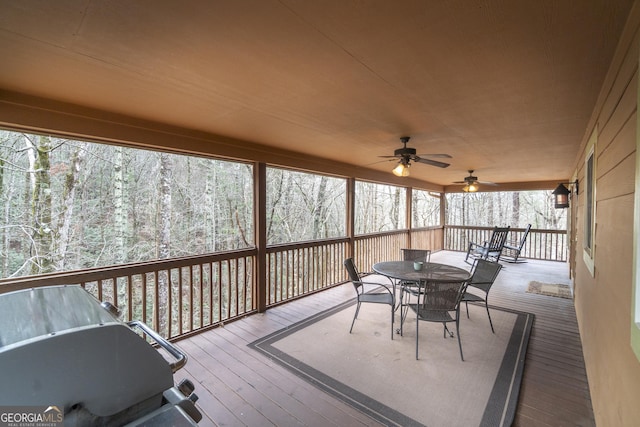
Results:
<point x="393" y="312"/>
<point x="447" y="331"/>
<point x="417" y="324"/>
<point x="486" y="305"/>
<point x="355" y="316"/>
<point x="458" y="333"/>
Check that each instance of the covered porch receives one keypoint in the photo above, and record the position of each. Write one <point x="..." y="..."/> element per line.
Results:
<point x="527" y="95"/>
<point x="239" y="386"/>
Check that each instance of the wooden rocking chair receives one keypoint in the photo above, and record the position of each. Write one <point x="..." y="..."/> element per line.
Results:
<point x="513" y="252"/>
<point x="491" y="249"/>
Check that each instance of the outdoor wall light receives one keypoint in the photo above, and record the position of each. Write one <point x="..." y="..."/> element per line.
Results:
<point x="562" y="194"/>
<point x="402" y="169"/>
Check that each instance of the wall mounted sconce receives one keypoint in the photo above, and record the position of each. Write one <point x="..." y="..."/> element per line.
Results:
<point x="562" y="194"/>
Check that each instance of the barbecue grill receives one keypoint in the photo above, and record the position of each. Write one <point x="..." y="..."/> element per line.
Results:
<point x="60" y="346"/>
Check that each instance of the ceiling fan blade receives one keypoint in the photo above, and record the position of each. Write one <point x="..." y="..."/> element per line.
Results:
<point x="430" y="162"/>
<point x="381" y="161"/>
<point x="486" y="183"/>
<point x="436" y="156"/>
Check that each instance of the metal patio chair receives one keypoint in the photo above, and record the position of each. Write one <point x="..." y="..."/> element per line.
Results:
<point x="439" y="302"/>
<point x="369" y="292"/>
<point x="484" y="274"/>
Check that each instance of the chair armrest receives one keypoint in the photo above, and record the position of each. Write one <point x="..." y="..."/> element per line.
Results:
<point x="515" y="248"/>
<point x="374" y="284"/>
<point x="479" y="285"/>
<point x="373" y="273"/>
<point x="477" y="245"/>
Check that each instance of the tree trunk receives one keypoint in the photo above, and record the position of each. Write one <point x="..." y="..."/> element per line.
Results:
<point x="42" y="261"/>
<point x="66" y="211"/>
<point x="319" y="229"/>
<point x="395" y="209"/>
<point x="515" y="212"/>
<point x="210" y="212"/>
<point x="164" y="232"/>
<point x="164" y="242"/>
<point x="120" y="219"/>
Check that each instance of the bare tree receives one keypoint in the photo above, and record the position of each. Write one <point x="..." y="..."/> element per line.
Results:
<point x="66" y="217"/>
<point x="515" y="212"/>
<point x="120" y="218"/>
<point x="38" y="150"/>
<point x="164" y="238"/>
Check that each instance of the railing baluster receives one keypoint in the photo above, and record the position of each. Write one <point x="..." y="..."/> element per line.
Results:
<point x="191" y="298"/>
<point x="201" y="295"/>
<point x="236" y="287"/>
<point x="129" y="285"/>
<point x="230" y="290"/>
<point x="179" y="308"/>
<point x="169" y="311"/>
<point x="156" y="299"/>
<point x="143" y="296"/>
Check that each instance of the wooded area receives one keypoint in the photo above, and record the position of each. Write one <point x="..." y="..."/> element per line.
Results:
<point x="505" y="208"/>
<point x="69" y="205"/>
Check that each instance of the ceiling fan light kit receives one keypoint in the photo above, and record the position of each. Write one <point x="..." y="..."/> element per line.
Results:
<point x="470" y="188"/>
<point x="471" y="183"/>
<point x="408" y="154"/>
<point x="402" y="169"/>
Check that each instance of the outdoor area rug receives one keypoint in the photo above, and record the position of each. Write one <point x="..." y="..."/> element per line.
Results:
<point x="550" y="289"/>
<point x="382" y="378"/>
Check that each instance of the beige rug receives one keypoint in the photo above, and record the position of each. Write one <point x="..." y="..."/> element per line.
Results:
<point x="550" y="289"/>
<point x="383" y="379"/>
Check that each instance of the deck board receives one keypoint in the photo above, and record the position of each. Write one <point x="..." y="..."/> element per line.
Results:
<point x="238" y="386"/>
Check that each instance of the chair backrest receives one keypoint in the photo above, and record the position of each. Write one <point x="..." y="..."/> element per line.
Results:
<point x="484" y="273"/>
<point x="441" y="296"/>
<point x="498" y="239"/>
<point x="524" y="237"/>
<point x="352" y="271"/>
<point x="422" y="255"/>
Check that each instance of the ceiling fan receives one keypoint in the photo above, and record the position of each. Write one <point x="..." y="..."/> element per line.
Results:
<point x="406" y="155"/>
<point x="471" y="183"/>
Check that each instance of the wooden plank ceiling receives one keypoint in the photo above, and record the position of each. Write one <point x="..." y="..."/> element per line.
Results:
<point x="505" y="87"/>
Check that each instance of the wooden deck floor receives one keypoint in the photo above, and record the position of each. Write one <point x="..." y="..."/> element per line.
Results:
<point x="237" y="386"/>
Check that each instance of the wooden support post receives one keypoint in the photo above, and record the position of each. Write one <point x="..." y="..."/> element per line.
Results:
<point x="351" y="221"/>
<point x="443" y="202"/>
<point x="260" y="220"/>
<point x="409" y="216"/>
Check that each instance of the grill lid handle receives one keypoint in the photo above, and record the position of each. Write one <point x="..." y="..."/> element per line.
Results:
<point x="181" y="358"/>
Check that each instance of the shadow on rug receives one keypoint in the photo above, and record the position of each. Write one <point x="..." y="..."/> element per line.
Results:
<point x="550" y="289"/>
<point x="382" y="378"/>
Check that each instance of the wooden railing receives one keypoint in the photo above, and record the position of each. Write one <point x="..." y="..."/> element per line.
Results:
<point x="177" y="296"/>
<point x="182" y="296"/>
<point x="550" y="245"/>
<point x="428" y="238"/>
<point x="299" y="269"/>
<point x="371" y="248"/>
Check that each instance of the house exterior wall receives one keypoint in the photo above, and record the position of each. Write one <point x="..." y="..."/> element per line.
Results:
<point x="604" y="300"/>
